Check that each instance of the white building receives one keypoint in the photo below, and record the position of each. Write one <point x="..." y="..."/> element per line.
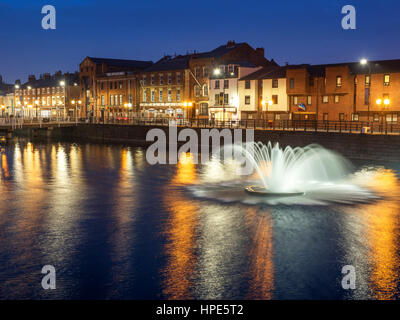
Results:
<point x="262" y="94"/>
<point x="224" y="90"/>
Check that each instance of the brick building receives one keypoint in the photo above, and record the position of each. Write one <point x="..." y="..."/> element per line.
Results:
<point x="108" y="84"/>
<point x="345" y="91"/>
<point x="48" y="96"/>
<point x="179" y="86"/>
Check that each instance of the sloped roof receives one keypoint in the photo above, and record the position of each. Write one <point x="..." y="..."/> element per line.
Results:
<point x="168" y="63"/>
<point x="122" y="62"/>
<point x="269" y="72"/>
<point x="53" y="81"/>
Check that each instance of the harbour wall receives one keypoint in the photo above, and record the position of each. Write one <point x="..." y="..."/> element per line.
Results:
<point x="351" y="145"/>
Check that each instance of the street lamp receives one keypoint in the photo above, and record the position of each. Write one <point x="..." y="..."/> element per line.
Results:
<point x="75" y="104"/>
<point x="365" y="62"/>
<point x="62" y="84"/>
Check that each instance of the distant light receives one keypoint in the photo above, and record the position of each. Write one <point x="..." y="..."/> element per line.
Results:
<point x="16" y="86"/>
<point x="263" y="102"/>
<point x="379" y="101"/>
<point x="185" y="104"/>
<point x="62" y="83"/>
<point x="75" y="84"/>
<point x="190" y="104"/>
<point x="386" y="102"/>
<point x="217" y="72"/>
<point x="270" y="102"/>
<point x="29" y="87"/>
<point x="363" y="61"/>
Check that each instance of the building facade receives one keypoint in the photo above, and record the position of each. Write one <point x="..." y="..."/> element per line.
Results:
<point x="96" y="76"/>
<point x="49" y="96"/>
<point x="226" y="103"/>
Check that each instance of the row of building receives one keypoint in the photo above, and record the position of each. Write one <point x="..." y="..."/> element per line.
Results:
<point x="232" y="82"/>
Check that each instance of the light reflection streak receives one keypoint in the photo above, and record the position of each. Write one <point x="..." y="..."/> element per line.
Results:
<point x="261" y="256"/>
<point x="180" y="234"/>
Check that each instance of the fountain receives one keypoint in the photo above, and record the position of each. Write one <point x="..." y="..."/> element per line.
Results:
<point x="269" y="174"/>
<point x="291" y="171"/>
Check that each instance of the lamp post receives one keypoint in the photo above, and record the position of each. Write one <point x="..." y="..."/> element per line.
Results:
<point x="365" y="62"/>
<point x="62" y="84"/>
<point x="128" y="106"/>
<point x="75" y="104"/>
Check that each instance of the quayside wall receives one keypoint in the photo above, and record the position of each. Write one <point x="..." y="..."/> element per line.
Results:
<point x="351" y="145"/>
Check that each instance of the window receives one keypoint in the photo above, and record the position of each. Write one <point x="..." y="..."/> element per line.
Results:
<point x="309" y="100"/>
<point x="120" y="84"/>
<point x="247" y="100"/>
<point x="341" y="116"/>
<point x="274" y="99"/>
<point x="169" y="97"/>
<point x="120" y="99"/>
<point x="311" y="81"/>
<point x="376" y="117"/>
<point x="230" y="68"/>
<point x="295" y="100"/>
<point x="152" y="79"/>
<point x="111" y="100"/>
<point x="216" y="84"/>
<point x="217" y="100"/>
<point x="394" y="118"/>
<point x="178" y="95"/>
<point x="144" y="81"/>
<point x="291" y="83"/>
<point x="275" y="83"/>
<point x="338" y="81"/>
<point x="203" y="109"/>
<point x="367" y="80"/>
<point x="205" y="75"/>
<point x="102" y="100"/>
<point x="354" y="117"/>
<point x="247" y="84"/>
<point x="205" y="90"/>
<point x="366" y="96"/>
<point x="169" y="79"/>
<point x="226" y="84"/>
<point x="115" y="85"/>
<point x="130" y="97"/>
<point x="325" y="99"/>
<point x="197" y="72"/>
<point x="101" y="86"/>
<point x="178" y="78"/>
<point x="337" y="99"/>
<point x="161" y="79"/>
<point x="197" y="90"/>
<point x="277" y="117"/>
<point x="386" y="80"/>
<point x="153" y="95"/>
<point x="144" y="95"/>
<point x="325" y="116"/>
<point x="160" y="95"/>
<point x="226" y="99"/>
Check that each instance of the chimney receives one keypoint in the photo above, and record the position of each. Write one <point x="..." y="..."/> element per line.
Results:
<point x="230" y="44"/>
<point x="46" y="76"/>
<point x="260" y="52"/>
<point x="31" y="77"/>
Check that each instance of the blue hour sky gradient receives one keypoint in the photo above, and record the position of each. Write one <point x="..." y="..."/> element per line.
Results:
<point x="307" y="31"/>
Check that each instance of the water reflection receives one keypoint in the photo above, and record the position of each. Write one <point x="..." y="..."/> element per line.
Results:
<point x="261" y="255"/>
<point x="116" y="227"/>
<point x="180" y="231"/>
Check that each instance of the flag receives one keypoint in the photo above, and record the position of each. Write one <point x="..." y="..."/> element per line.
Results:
<point x="302" y="107"/>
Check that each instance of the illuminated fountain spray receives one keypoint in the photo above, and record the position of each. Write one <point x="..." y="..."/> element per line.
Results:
<point x="293" y="170"/>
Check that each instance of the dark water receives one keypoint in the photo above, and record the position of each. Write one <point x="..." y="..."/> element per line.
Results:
<point x="115" y="227"/>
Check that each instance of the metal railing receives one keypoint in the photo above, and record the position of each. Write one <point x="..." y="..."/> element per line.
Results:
<point x="261" y="124"/>
<point x="258" y="124"/>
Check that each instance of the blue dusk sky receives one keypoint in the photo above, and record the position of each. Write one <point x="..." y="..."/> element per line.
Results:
<point x="307" y="31"/>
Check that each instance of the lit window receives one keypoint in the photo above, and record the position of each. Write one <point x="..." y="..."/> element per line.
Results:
<point x="387" y="80"/>
<point x="338" y="81"/>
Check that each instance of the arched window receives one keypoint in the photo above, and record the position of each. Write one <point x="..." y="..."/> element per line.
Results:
<point x="205" y="90"/>
<point x="197" y="90"/>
